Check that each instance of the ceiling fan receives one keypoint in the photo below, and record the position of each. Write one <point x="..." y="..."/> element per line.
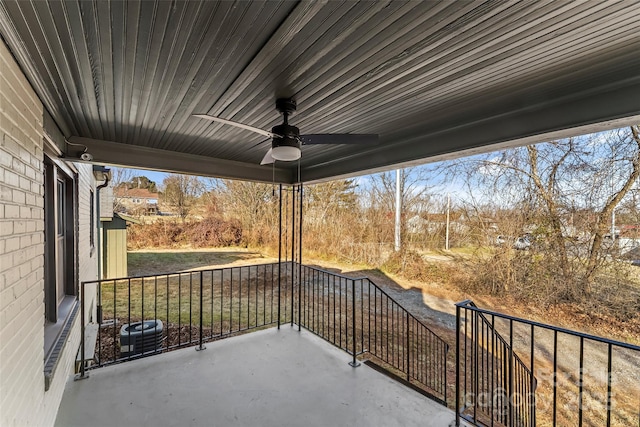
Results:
<point x="286" y="139"/>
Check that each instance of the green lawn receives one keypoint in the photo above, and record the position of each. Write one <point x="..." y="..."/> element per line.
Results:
<point x="168" y="261"/>
<point x="242" y="299"/>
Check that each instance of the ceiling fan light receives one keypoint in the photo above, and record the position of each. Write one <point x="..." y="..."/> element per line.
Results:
<point x="285" y="153"/>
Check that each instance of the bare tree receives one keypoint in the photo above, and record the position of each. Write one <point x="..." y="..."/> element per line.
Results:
<point x="120" y="177"/>
<point x="254" y="205"/>
<point x="181" y="192"/>
<point x="415" y="197"/>
<point x="415" y="191"/>
<point x="329" y="200"/>
<point x="623" y="160"/>
<point x="543" y="185"/>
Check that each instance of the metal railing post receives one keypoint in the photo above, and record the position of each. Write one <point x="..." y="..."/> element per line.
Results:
<point x="82" y="339"/>
<point x="444" y="393"/>
<point x="293" y="246"/>
<point x="354" y="363"/>
<point x="458" y="365"/>
<point x="300" y="263"/>
<point x="279" y="251"/>
<point x="510" y="385"/>
<point x="200" y="346"/>
<point x="474" y="356"/>
<point x="407" y="343"/>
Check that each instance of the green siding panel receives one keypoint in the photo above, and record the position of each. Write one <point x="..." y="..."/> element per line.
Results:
<point x="115" y="250"/>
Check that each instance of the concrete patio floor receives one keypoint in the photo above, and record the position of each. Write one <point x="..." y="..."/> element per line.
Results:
<point x="265" y="378"/>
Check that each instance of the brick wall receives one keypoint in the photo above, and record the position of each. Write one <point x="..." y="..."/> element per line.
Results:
<point x="23" y="400"/>
<point x="21" y="247"/>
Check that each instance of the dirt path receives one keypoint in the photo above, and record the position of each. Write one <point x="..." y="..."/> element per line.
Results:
<point x="415" y="297"/>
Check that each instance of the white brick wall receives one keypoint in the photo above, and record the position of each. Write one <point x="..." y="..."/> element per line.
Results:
<point x="22" y="247"/>
<point x="23" y="400"/>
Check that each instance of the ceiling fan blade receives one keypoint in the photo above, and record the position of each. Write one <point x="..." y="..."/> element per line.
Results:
<point x="339" y="138"/>
<point x="236" y="124"/>
<point x="267" y="159"/>
<point x="260" y="143"/>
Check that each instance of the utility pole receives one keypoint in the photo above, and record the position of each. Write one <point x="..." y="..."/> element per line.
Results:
<point x="398" y="208"/>
<point x="446" y="240"/>
<point x="613" y="225"/>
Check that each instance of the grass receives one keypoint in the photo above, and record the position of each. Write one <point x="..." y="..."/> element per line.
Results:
<point x="175" y="298"/>
<point x="152" y="262"/>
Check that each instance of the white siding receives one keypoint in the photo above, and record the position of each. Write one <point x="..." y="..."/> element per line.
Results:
<point x="106" y="202"/>
<point x="87" y="255"/>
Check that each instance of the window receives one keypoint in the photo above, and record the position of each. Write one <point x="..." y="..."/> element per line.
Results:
<point x="61" y="303"/>
<point x="60" y="208"/>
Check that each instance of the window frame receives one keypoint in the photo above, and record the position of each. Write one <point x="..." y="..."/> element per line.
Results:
<point x="60" y="213"/>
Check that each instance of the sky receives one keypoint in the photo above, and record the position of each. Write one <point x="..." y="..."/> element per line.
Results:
<point x="433" y="181"/>
<point x="362" y="181"/>
<point x="154" y="176"/>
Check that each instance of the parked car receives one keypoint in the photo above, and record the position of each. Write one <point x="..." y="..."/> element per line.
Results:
<point x="523" y="242"/>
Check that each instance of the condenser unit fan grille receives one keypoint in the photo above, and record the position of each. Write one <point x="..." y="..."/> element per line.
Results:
<point x="141" y="337"/>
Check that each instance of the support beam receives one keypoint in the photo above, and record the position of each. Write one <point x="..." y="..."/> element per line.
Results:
<point x="602" y="109"/>
<point x="398" y="225"/>
<point x="126" y="155"/>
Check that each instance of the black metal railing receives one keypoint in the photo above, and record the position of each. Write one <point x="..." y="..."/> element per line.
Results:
<point x="517" y="372"/>
<point x="491" y="372"/>
<point x="140" y="316"/>
<point x="359" y="317"/>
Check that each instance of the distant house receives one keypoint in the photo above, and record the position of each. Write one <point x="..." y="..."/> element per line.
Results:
<point x="136" y="201"/>
<point x="629" y="240"/>
<point x="630" y="231"/>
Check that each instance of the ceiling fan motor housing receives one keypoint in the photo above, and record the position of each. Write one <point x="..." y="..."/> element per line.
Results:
<point x="290" y="136"/>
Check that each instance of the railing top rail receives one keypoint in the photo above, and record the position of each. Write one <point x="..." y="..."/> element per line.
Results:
<point x="469" y="305"/>
<point x="173" y="273"/>
<point x="385" y="294"/>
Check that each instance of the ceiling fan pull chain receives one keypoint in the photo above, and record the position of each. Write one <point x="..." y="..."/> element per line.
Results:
<point x="273" y="179"/>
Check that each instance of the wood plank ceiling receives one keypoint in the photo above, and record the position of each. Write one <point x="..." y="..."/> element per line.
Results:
<point x="433" y="79"/>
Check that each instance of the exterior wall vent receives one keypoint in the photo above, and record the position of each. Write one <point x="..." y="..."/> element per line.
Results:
<point x="141" y="337"/>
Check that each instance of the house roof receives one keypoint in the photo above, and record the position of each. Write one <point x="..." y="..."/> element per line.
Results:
<point x="433" y="79"/>
<point x="441" y="217"/>
<point x="127" y="218"/>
